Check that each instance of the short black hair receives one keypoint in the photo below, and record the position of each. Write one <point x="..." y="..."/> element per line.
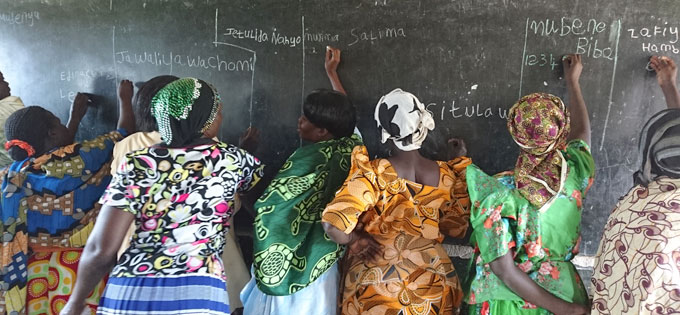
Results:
<point x="30" y="124"/>
<point x="144" y="121"/>
<point x="331" y="110"/>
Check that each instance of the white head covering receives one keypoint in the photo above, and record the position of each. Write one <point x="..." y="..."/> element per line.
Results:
<point x="403" y="119"/>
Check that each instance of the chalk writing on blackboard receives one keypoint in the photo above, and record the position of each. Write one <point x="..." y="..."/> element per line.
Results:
<point x="27" y="18"/>
<point x="373" y="35"/>
<point x="657" y="39"/>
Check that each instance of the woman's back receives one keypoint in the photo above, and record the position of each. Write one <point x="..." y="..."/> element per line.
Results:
<point x="182" y="200"/>
<point x="543" y="240"/>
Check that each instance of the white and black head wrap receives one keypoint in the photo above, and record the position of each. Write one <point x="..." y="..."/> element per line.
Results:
<point x="659" y="151"/>
<point x="402" y="118"/>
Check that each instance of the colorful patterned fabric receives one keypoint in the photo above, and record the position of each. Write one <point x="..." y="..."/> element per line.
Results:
<point x="49" y="203"/>
<point x="8" y="105"/>
<point x="496" y="307"/>
<point x="414" y="274"/>
<point x="182" y="199"/>
<point x="183" y="294"/>
<point x="51" y="279"/>
<point x="539" y="124"/>
<point x="291" y="248"/>
<point x="637" y="270"/>
<point x="542" y="242"/>
<point x="402" y="118"/>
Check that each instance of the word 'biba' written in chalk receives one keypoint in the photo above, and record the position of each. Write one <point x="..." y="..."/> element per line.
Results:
<point x="592" y="38"/>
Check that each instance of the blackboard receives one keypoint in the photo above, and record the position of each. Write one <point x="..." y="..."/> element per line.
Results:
<point x="468" y="60"/>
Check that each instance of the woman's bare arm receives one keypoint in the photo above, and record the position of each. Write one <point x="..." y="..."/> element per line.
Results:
<point x="519" y="282"/>
<point x="99" y="255"/>
<point x="580" y="121"/>
<point x="331" y="64"/>
<point x="666" y="75"/>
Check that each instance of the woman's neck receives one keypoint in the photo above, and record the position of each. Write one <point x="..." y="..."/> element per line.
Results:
<point x="407" y="157"/>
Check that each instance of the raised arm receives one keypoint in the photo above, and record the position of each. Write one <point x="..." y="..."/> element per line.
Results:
<point x="331" y="63"/>
<point x="666" y="75"/>
<point x="126" y="118"/>
<point x="519" y="282"/>
<point x="99" y="255"/>
<point x="78" y="111"/>
<point x="580" y="121"/>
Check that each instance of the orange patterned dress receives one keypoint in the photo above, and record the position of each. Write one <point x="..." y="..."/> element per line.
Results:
<point x="414" y="274"/>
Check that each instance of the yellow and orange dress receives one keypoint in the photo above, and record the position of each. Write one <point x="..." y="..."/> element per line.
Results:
<point x="414" y="274"/>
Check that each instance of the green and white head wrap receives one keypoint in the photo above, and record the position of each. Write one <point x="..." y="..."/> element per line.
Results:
<point x="176" y="101"/>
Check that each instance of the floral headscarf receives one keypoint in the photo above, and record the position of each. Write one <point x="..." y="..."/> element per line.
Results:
<point x="539" y="124"/>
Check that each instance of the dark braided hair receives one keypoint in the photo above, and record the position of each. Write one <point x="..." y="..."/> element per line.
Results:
<point x="142" y="102"/>
<point x="30" y="124"/>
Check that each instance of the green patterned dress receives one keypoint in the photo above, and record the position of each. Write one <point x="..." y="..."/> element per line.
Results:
<point x="291" y="248"/>
<point x="544" y="243"/>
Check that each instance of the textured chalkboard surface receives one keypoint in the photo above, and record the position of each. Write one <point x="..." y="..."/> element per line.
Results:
<point x="467" y="60"/>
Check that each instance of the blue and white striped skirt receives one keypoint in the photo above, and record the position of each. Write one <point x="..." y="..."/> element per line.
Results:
<point x="186" y="294"/>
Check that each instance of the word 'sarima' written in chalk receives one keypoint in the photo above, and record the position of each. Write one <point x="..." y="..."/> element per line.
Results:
<point x="170" y="59"/>
<point x="374" y="35"/>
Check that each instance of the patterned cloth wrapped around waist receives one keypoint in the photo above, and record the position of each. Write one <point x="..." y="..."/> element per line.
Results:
<point x="402" y="256"/>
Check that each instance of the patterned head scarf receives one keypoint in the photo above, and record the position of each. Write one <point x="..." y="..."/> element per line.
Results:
<point x="402" y="118"/>
<point x="659" y="149"/>
<point x="539" y="124"/>
<point x="184" y="109"/>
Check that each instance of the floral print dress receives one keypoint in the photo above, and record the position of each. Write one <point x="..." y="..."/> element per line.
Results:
<point x="414" y="274"/>
<point x="543" y="243"/>
<point x="182" y="199"/>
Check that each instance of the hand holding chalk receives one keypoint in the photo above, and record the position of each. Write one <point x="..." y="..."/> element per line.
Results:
<point x="572" y="68"/>
<point x="332" y="59"/>
<point x="125" y="91"/>
<point x="79" y="106"/>
<point x="666" y="70"/>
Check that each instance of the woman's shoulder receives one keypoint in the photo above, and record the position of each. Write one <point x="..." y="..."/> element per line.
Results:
<point x="362" y="162"/>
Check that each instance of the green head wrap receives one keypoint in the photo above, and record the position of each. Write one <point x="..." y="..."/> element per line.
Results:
<point x="190" y="100"/>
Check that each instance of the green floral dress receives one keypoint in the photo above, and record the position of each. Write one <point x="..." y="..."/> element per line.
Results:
<point x="543" y="242"/>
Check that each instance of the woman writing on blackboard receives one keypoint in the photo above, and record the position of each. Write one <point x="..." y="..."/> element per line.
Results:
<point x="49" y="204"/>
<point x="181" y="194"/>
<point x="305" y="280"/>
<point x="526" y="222"/>
<point x="393" y="214"/>
<point x="637" y="269"/>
